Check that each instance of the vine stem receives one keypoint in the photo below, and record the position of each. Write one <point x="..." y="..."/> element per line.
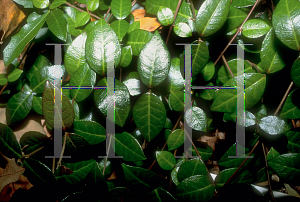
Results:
<point x="267" y="171"/>
<point x="35" y="151"/>
<point x="237" y="32"/>
<point x="91" y="14"/>
<point x="227" y="66"/>
<point x="193" y="9"/>
<point x="284" y="97"/>
<point x="253" y="65"/>
<point x="107" y="13"/>
<point x="3" y="88"/>
<point x="62" y="151"/>
<point x="6" y="159"/>
<point x="175" y="15"/>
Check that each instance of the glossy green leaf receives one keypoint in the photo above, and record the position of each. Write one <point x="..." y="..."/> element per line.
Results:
<point x="149" y="115"/>
<point x="196" y="119"/>
<point x="75" y="55"/>
<point x="14" y="75"/>
<point x="255" y="28"/>
<point x="3" y="79"/>
<point x="74" y="144"/>
<point x="191" y="167"/>
<point x="295" y="72"/>
<point x="83" y="77"/>
<point x="211" y="16"/>
<point x="102" y="43"/>
<point x="244" y="176"/>
<point x="208" y="71"/>
<point x="136" y="177"/>
<point x="134" y="26"/>
<point x="40" y="3"/>
<point x="33" y="140"/>
<point x="40" y="62"/>
<point x="262" y="112"/>
<point x="133" y="83"/>
<point x="37" y="105"/>
<point x="184" y="12"/>
<point x="76" y="110"/>
<point x="25" y="3"/>
<point x="71" y="26"/>
<point x="92" y="5"/>
<point x="226" y="99"/>
<point x="165" y="16"/>
<point x="177" y="100"/>
<point x="120" y="8"/>
<point x="205" y="153"/>
<point x="57" y="24"/>
<point x="272" y="154"/>
<point x="92" y="131"/>
<point x="286" y="23"/>
<point x="195" y="188"/>
<point x="176" y="139"/>
<point x="208" y="94"/>
<point x="287" y="167"/>
<point x="183" y="30"/>
<point x="175" y="79"/>
<point x="48" y="108"/>
<point x="57" y="3"/>
<point x="293" y="141"/>
<point x="244" y="46"/>
<point x="120" y="27"/>
<point x="18" y="107"/>
<point x="244" y="3"/>
<point x="128" y="147"/>
<point x="165" y="160"/>
<point x="104" y="4"/>
<point x="269" y="56"/>
<point x="121" y="103"/>
<point x="38" y="173"/>
<point x="160" y="194"/>
<point x="81" y="19"/>
<point x="289" y="110"/>
<point x="137" y="39"/>
<point x="272" y="125"/>
<point x="126" y="56"/>
<point x="22" y="38"/>
<point x="235" y="18"/>
<point x="174" y="176"/>
<point x="9" y="145"/>
<point x="249" y="118"/>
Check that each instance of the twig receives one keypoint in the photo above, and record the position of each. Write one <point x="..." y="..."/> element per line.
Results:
<point x="253" y="65"/>
<point x="91" y="14"/>
<point x="6" y="159"/>
<point x="238" y="31"/>
<point x="284" y="97"/>
<point x="294" y="124"/>
<point x="133" y="2"/>
<point x="53" y="165"/>
<point x="107" y="13"/>
<point x="63" y="150"/>
<point x="227" y="66"/>
<point x="35" y="151"/>
<point x="109" y="17"/>
<point x="107" y="154"/>
<point x="193" y="9"/>
<point x="267" y="167"/>
<point x="175" y="15"/>
<point x="3" y="88"/>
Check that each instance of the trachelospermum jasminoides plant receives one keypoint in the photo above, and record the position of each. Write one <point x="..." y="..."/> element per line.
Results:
<point x="149" y="98"/>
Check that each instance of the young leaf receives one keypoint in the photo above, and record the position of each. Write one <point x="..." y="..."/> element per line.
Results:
<point x="57" y="3"/>
<point x="208" y="94"/>
<point x="289" y="110"/>
<point x="128" y="147"/>
<point x="235" y="18"/>
<point x="211" y="16"/>
<point x="255" y="28"/>
<point x="134" y="26"/>
<point x="57" y="24"/>
<point x="92" y="131"/>
<point x="120" y="27"/>
<point x="286" y="23"/>
<point x="196" y="119"/>
<point x="154" y="61"/>
<point x="67" y="112"/>
<point x="165" y="160"/>
<point x="190" y="168"/>
<point x="126" y="56"/>
<point x="177" y="100"/>
<point x="149" y="115"/>
<point x="165" y="16"/>
<point x="120" y="8"/>
<point x="293" y="141"/>
<point x="102" y="47"/>
<point x="3" y="79"/>
<point x="92" y="5"/>
<point x="22" y="38"/>
<point x="272" y="125"/>
<point x="183" y="30"/>
<point x="137" y="39"/>
<point x="81" y="19"/>
<point x="176" y="139"/>
<point x="9" y="145"/>
<point x="18" y="107"/>
<point x="208" y="71"/>
<point x="14" y="75"/>
<point x="295" y="72"/>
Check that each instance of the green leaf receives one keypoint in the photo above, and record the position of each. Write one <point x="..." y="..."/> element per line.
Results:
<point x="40" y="3"/>
<point x="120" y="27"/>
<point x="57" y="24"/>
<point x="40" y="62"/>
<point x="196" y="119"/>
<point x="262" y="112"/>
<point x="244" y="176"/>
<point x="176" y="139"/>
<point x="25" y="3"/>
<point x="128" y="147"/>
<point x="81" y="19"/>
<point x="132" y="83"/>
<point x="75" y="55"/>
<point x="71" y="26"/>
<point x="287" y="167"/>
<point x="208" y="71"/>
<point x="272" y="154"/>
<point x="183" y="30"/>
<point x="165" y="16"/>
<point x="168" y="123"/>
<point x="120" y="8"/>
<point x="99" y="47"/>
<point x="92" y="131"/>
<point x="92" y="5"/>
<point x="195" y="188"/>
<point x="272" y="125"/>
<point x="22" y="38"/>
<point x="293" y="141"/>
<point x="126" y="56"/>
<point x="184" y="12"/>
<point x="235" y="18"/>
<point x="149" y="115"/>
<point x="104" y="4"/>
<point x="165" y="160"/>
<point x="208" y="94"/>
<point x="74" y="144"/>
<point x="3" y="79"/>
<point x="18" y="107"/>
<point x="174" y="176"/>
<point x="255" y="28"/>
<point x="160" y="194"/>
<point x="121" y="102"/>
<point x="76" y="109"/>
<point x="134" y="26"/>
<point x="295" y="72"/>
<point x="226" y="99"/>
<point x="140" y="178"/>
<point x="9" y="145"/>
<point x="83" y="77"/>
<point x="14" y="75"/>
<point x="191" y="167"/>
<point x="286" y="23"/>
<point x="211" y="16"/>
<point x="177" y="100"/>
<point x="175" y="79"/>
<point x="137" y="39"/>
<point x="289" y="110"/>
<point x="269" y="55"/>
<point x="154" y="61"/>
<point x="57" y="3"/>
<point x="37" y="105"/>
<point x="33" y="140"/>
<point x="48" y="108"/>
<point x="244" y="3"/>
<point x="249" y="118"/>
<point x="205" y="153"/>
